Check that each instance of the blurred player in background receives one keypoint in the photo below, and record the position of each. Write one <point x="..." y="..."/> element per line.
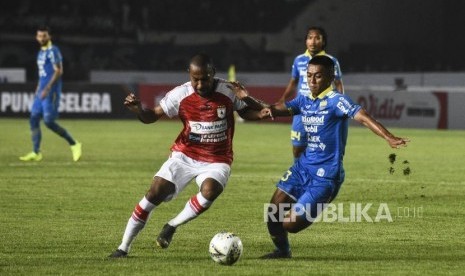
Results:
<point x="315" y="178"/>
<point x="316" y="42"/>
<point x="203" y="149"/>
<point x="47" y="97"/>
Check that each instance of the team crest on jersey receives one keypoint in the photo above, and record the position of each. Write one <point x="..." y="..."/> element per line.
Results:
<point x="221" y="111"/>
<point x="323" y="105"/>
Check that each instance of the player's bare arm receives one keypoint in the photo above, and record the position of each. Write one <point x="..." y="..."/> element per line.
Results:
<point x="364" y="118"/>
<point x="57" y="73"/>
<point x="254" y="115"/>
<point x="145" y="115"/>
<point x="280" y="110"/>
<point x="256" y="109"/>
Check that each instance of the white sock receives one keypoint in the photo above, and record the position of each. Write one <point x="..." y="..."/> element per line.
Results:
<point x="194" y="207"/>
<point x="136" y="223"/>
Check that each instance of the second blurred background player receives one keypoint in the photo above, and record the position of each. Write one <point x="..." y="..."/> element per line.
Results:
<point x="47" y="97"/>
<point x="316" y="41"/>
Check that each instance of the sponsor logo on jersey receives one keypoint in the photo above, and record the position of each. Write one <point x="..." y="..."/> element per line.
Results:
<point x="341" y="107"/>
<point x="208" y="138"/>
<point x="213" y="137"/>
<point x="208" y="127"/>
<point x="311" y="129"/>
<point x="313" y="120"/>
<point x="314" y="139"/>
<point x="342" y="99"/>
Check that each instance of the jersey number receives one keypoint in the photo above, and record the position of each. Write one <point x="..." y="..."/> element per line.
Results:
<point x="286" y="176"/>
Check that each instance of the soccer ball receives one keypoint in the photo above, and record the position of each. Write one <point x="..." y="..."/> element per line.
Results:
<point x="225" y="248"/>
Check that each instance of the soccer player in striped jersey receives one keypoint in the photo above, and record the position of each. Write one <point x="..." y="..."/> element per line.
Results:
<point x="47" y="97"/>
<point x="315" y="178"/>
<point x="202" y="151"/>
<point x="316" y="41"/>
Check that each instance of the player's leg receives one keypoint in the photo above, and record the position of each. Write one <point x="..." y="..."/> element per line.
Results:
<point x="298" y="137"/>
<point x="36" y="134"/>
<point x="290" y="188"/>
<point x="160" y="190"/>
<point x="212" y="178"/>
<point x="278" y="234"/>
<point x="310" y="205"/>
<point x="50" y="116"/>
<point x="199" y="203"/>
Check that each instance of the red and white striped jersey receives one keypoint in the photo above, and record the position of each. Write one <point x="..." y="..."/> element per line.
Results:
<point x="208" y="122"/>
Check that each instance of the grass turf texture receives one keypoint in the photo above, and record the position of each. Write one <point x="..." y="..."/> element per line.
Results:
<point x="61" y="217"/>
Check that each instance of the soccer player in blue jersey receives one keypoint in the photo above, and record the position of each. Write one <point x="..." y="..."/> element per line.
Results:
<point x="47" y="97"/>
<point x="316" y="41"/>
<point x="315" y="178"/>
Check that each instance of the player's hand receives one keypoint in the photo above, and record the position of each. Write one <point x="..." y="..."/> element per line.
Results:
<point x="239" y="89"/>
<point x="397" y="142"/>
<point x="44" y="92"/>
<point x="266" y="113"/>
<point x="132" y="103"/>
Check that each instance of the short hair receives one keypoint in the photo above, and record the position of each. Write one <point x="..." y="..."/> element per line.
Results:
<point x="324" y="61"/>
<point x="44" y="28"/>
<point x="204" y="61"/>
<point x="322" y="32"/>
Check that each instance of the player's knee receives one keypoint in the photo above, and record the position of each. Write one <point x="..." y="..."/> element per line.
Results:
<point x="34" y="120"/>
<point x="296" y="226"/>
<point x="297" y="151"/>
<point x="210" y="190"/>
<point x="160" y="191"/>
<point x="49" y="121"/>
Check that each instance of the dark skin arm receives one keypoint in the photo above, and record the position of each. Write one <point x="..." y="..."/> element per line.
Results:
<point x="394" y="142"/>
<point x="362" y="117"/>
<point x="147" y="116"/>
<point x="280" y="110"/>
<point x="255" y="110"/>
<point x="254" y="115"/>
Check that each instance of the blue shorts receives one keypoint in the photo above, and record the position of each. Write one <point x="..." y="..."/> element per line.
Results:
<point x="46" y="108"/>
<point x="298" y="133"/>
<point x="307" y="191"/>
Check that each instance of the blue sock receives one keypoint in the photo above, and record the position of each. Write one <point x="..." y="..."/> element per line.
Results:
<point x="60" y="131"/>
<point x="36" y="134"/>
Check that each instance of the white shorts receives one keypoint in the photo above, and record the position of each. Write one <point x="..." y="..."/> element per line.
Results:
<point x="181" y="169"/>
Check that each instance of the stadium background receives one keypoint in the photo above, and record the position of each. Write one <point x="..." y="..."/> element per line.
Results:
<point x="383" y="46"/>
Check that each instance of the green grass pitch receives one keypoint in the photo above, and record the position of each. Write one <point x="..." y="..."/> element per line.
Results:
<point x="61" y="217"/>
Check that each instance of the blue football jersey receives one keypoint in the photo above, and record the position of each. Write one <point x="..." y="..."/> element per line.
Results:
<point x="325" y="120"/>
<point x="46" y="58"/>
<point x="299" y="70"/>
